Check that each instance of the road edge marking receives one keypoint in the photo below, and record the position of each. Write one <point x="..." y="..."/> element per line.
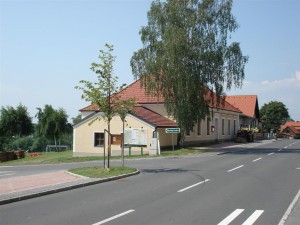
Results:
<point x="289" y="209"/>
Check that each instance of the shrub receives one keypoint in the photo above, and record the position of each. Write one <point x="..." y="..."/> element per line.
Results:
<point x="22" y="143"/>
<point x="39" y="144"/>
<point x="297" y="136"/>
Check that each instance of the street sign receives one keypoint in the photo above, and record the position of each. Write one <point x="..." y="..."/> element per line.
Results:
<point x="172" y="130"/>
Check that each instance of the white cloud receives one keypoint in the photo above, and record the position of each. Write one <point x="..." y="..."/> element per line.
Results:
<point x="286" y="90"/>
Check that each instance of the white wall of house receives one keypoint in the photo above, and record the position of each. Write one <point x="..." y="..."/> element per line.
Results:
<point x="225" y="125"/>
<point x="84" y="136"/>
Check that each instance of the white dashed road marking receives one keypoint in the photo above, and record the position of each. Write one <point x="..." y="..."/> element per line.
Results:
<point x="235" y="168"/>
<point x="114" y="217"/>
<point x="256" y="159"/>
<point x="194" y="185"/>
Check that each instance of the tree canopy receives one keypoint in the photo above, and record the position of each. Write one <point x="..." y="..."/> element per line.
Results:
<point x="274" y="114"/>
<point x="186" y="52"/>
<point x="52" y="123"/>
<point x="15" y="121"/>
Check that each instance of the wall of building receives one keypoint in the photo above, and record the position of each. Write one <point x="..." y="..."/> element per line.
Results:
<point x="84" y="136"/>
<point x="221" y="132"/>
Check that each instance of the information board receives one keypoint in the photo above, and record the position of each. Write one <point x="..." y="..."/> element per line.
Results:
<point x="135" y="137"/>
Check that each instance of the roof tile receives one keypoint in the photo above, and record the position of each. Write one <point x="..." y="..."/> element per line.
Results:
<point x="245" y="103"/>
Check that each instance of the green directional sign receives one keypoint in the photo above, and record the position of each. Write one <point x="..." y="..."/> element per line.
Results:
<point x="172" y="130"/>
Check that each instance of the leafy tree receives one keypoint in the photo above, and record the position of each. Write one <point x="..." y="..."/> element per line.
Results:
<point x="52" y="124"/>
<point x="102" y="92"/>
<point x="274" y="114"/>
<point x="76" y="119"/>
<point x="14" y="122"/>
<point x="185" y="53"/>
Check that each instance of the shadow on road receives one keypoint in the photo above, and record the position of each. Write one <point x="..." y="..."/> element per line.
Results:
<point x="167" y="170"/>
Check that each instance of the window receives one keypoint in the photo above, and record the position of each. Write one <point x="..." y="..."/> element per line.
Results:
<point x="234" y="127"/>
<point x="98" y="139"/>
<point x="223" y="126"/>
<point x="208" y="125"/>
<point x="199" y="127"/>
<point x="229" y="128"/>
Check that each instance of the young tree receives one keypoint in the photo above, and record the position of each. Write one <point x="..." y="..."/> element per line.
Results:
<point x="274" y="114"/>
<point x="103" y="91"/>
<point x="186" y="52"/>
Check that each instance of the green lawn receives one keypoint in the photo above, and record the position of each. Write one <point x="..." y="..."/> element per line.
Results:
<point x="67" y="157"/>
<point x="100" y="172"/>
<point x="50" y="158"/>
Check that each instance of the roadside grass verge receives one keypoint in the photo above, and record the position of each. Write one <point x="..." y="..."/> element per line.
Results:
<point x="67" y="157"/>
<point x="100" y="172"/>
<point x="182" y="151"/>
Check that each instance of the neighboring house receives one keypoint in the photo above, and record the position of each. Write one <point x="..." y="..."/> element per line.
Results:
<point x="290" y="129"/>
<point x="248" y="104"/>
<point x="149" y="116"/>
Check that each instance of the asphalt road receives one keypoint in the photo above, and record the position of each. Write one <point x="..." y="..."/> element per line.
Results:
<point x="248" y="186"/>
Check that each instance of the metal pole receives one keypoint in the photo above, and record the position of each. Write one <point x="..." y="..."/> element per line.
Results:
<point x="123" y="143"/>
<point x="172" y="142"/>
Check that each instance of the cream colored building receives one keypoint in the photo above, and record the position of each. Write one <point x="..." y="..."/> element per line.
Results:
<point x="149" y="118"/>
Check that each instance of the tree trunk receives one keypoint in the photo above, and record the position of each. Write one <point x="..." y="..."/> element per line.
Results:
<point x="109" y="144"/>
<point x="55" y="143"/>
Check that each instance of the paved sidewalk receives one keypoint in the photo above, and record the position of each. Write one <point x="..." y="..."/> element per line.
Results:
<point x="32" y="186"/>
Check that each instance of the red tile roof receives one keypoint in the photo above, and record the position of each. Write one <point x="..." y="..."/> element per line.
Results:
<point x="136" y="91"/>
<point x="295" y="125"/>
<point x="152" y="117"/>
<point x="245" y="103"/>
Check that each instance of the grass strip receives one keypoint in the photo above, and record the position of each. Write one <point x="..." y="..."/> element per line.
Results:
<point x="67" y="157"/>
<point x="100" y="172"/>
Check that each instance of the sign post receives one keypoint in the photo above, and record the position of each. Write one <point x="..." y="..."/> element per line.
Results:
<point x="172" y="131"/>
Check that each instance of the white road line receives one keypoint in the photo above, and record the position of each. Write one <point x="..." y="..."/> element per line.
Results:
<point x="114" y="217"/>
<point x="271" y="153"/>
<point x="289" y="210"/>
<point x="231" y="217"/>
<point x="256" y="159"/>
<point x="235" y="168"/>
<point x="194" y="185"/>
<point x="8" y="174"/>
<point x="6" y="171"/>
<point x="253" y="217"/>
<point x="285" y="147"/>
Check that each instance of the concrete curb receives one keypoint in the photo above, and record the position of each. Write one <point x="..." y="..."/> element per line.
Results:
<point x="66" y="188"/>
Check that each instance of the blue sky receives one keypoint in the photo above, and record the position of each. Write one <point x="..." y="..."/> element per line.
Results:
<point x="47" y="47"/>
